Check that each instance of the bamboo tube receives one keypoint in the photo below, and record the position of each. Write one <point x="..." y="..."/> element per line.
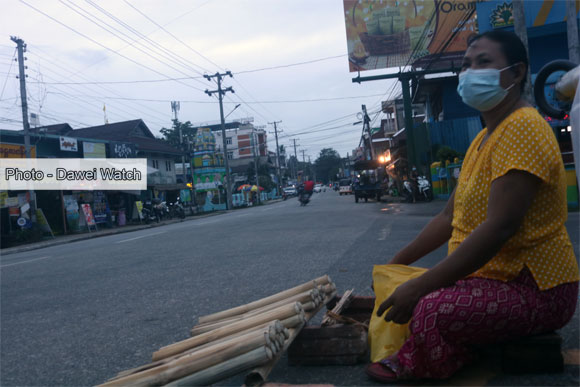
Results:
<point x="196" y="361"/>
<point x="294" y="321"/>
<point x="264" y="301"/>
<point x="226" y="369"/>
<point x="207" y="327"/>
<point x="309" y="305"/>
<point x="240" y="336"/>
<point x="283" y="312"/>
<point x="259" y="374"/>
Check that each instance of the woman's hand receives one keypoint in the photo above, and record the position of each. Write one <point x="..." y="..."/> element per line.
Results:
<point x="402" y="302"/>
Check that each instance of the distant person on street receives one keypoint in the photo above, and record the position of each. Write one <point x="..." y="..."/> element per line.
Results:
<point x="308" y="187"/>
<point x="510" y="269"/>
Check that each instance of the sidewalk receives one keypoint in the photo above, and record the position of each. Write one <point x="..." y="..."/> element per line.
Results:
<point x="63" y="239"/>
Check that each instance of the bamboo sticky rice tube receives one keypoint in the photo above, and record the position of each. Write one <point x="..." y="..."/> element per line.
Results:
<point x="207" y="327"/>
<point x="196" y="361"/>
<point x="294" y="321"/>
<point x="265" y="301"/>
<point x="281" y="313"/>
<point x="226" y="369"/>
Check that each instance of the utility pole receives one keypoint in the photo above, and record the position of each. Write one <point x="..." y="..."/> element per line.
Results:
<point x="522" y="32"/>
<point x="21" y="47"/>
<point x="256" y="156"/>
<point x="303" y="156"/>
<point x="175" y="105"/>
<point x="277" y="156"/>
<point x="295" y="160"/>
<point x="221" y="92"/>
<point x="367" y="125"/>
<point x="572" y="27"/>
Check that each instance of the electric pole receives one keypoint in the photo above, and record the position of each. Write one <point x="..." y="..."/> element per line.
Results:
<point x="367" y="125"/>
<point x="522" y="32"/>
<point x="256" y="156"/>
<point x="572" y="27"/>
<point x="221" y="92"/>
<point x="303" y="156"/>
<point x="21" y="47"/>
<point x="277" y="156"/>
<point x="175" y="109"/>
<point x="295" y="160"/>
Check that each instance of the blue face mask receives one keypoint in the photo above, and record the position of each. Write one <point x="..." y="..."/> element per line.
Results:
<point x="481" y="89"/>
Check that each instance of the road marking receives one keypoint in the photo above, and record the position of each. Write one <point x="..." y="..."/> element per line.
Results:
<point x="142" y="236"/>
<point x="385" y="232"/>
<point x="267" y="209"/>
<point x="30" y="260"/>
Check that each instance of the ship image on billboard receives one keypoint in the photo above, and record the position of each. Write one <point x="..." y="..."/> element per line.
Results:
<point x="422" y="33"/>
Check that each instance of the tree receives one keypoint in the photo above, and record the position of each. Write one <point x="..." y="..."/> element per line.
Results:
<point x="171" y="135"/>
<point x="327" y="165"/>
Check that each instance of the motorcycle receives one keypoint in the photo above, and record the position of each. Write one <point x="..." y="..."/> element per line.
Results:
<point x="304" y="198"/>
<point x="149" y="213"/>
<point x="419" y="189"/>
<point x="176" y="210"/>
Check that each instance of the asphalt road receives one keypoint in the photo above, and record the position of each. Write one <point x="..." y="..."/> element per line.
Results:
<point x="77" y="314"/>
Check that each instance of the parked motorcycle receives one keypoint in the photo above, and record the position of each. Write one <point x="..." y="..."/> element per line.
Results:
<point x="419" y="189"/>
<point x="149" y="213"/>
<point x="176" y="210"/>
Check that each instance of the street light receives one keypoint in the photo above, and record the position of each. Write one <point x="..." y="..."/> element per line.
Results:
<point x="237" y="106"/>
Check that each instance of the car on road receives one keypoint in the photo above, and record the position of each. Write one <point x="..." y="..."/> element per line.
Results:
<point x="318" y="188"/>
<point x="290" y="191"/>
<point x="345" y="187"/>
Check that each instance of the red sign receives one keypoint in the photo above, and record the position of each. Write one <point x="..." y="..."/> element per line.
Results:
<point x="88" y="214"/>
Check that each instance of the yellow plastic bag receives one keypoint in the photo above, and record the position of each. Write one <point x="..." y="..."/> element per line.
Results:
<point x="386" y="338"/>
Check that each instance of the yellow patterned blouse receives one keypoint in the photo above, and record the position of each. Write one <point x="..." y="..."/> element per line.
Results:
<point x="523" y="141"/>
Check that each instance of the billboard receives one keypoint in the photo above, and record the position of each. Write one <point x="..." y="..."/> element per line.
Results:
<point x="499" y="13"/>
<point x="393" y="33"/>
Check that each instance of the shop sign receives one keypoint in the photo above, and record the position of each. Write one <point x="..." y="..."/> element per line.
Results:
<point x="14" y="151"/>
<point x="69" y="144"/>
<point x="122" y="150"/>
<point x="93" y="150"/>
<point x="88" y="214"/>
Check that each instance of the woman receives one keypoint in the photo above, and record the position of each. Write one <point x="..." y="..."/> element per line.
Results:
<point x="510" y="269"/>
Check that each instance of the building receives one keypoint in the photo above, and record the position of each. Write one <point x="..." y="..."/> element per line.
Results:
<point x="161" y="177"/>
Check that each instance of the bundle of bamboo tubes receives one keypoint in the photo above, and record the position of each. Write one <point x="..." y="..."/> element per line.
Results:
<point x="231" y="341"/>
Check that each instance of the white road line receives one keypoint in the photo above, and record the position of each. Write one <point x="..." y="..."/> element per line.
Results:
<point x="142" y="236"/>
<point x="21" y="262"/>
<point x="385" y="232"/>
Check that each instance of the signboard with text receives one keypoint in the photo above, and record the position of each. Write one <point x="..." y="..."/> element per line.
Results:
<point x="94" y="150"/>
<point x="15" y="151"/>
<point x="69" y="144"/>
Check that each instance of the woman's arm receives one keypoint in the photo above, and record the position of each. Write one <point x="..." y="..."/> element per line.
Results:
<point x="510" y="198"/>
<point x="433" y="235"/>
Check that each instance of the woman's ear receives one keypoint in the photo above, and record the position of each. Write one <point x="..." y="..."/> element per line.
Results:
<point x="520" y="71"/>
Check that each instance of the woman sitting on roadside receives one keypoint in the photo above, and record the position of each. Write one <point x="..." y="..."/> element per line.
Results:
<point x="510" y="269"/>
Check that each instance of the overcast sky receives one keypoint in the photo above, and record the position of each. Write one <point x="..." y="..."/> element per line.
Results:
<point x="182" y="39"/>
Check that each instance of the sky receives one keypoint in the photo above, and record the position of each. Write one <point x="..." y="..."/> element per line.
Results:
<point x="84" y="54"/>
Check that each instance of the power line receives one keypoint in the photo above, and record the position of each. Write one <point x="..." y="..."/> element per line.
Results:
<point x="232" y="102"/>
<point x="97" y="43"/>
<point x="92" y="19"/>
<point x="7" y="75"/>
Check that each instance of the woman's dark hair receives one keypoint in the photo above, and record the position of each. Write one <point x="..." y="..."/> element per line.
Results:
<point x="511" y="47"/>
